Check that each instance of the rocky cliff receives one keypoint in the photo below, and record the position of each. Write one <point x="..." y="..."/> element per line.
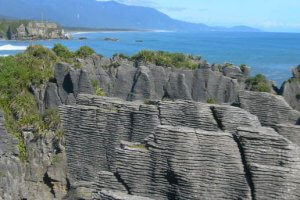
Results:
<point x="130" y="81"/>
<point x="30" y="30"/>
<point x="177" y="150"/>
<point x="158" y="135"/>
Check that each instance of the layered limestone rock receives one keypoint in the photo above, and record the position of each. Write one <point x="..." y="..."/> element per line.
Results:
<point x="177" y="150"/>
<point x="116" y="195"/>
<point x="273" y="162"/>
<point x="290" y="89"/>
<point x="269" y="108"/>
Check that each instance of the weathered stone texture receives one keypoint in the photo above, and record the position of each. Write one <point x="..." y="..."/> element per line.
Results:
<point x="178" y="150"/>
<point x="273" y="162"/>
<point x="269" y="108"/>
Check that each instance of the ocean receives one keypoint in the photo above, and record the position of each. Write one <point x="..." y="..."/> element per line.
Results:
<point x="272" y="54"/>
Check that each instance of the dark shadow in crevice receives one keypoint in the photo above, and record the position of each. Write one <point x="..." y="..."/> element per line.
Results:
<point x="48" y="181"/>
<point x="120" y="180"/>
<point x="68" y="84"/>
<point x="215" y="115"/>
<point x="248" y="174"/>
<point x="173" y="181"/>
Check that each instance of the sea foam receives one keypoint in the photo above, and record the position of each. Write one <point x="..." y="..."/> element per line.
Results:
<point x="9" y="47"/>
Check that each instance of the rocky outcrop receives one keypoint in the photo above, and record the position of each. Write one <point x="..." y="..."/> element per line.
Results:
<point x="273" y="162"/>
<point x="177" y="150"/>
<point x="164" y="142"/>
<point x="42" y="176"/>
<point x="144" y="81"/>
<point x="290" y="89"/>
<point x="11" y="172"/>
<point x="34" y="30"/>
<point x="269" y="108"/>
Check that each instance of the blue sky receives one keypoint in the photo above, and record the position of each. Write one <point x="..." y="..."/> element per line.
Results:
<point x="271" y="15"/>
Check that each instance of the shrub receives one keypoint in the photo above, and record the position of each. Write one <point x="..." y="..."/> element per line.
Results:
<point x="211" y="101"/>
<point x="166" y="59"/>
<point x="84" y="52"/>
<point x="258" y="83"/>
<point x="298" y="96"/>
<point x="41" y="52"/>
<point x="243" y="67"/>
<point x="18" y="74"/>
<point x="62" y="51"/>
<point x="121" y="55"/>
<point x="228" y="65"/>
<point x="98" y="91"/>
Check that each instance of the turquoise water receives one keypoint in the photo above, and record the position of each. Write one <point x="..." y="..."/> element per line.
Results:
<point x="272" y="54"/>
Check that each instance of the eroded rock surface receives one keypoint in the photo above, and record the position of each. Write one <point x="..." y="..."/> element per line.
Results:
<point x="144" y="81"/>
<point x="41" y="176"/>
<point x="177" y="150"/>
<point x="290" y="89"/>
<point x="269" y="108"/>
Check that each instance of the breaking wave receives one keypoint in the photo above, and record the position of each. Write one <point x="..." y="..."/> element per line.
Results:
<point x="9" y="47"/>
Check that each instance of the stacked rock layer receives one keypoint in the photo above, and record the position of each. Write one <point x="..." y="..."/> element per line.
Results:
<point x="178" y="150"/>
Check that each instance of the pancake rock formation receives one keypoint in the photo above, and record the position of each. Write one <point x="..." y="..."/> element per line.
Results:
<point x="179" y="149"/>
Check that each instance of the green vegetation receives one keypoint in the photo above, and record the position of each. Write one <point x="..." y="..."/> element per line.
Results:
<point x="84" y="52"/>
<point x="243" y="67"/>
<point x="63" y="52"/>
<point x="298" y="97"/>
<point x="138" y="146"/>
<point x="228" y="65"/>
<point x="166" y="59"/>
<point x="294" y="80"/>
<point x="120" y="55"/>
<point x="18" y="75"/>
<point x="98" y="91"/>
<point x="211" y="101"/>
<point x="258" y="83"/>
<point x="56" y="159"/>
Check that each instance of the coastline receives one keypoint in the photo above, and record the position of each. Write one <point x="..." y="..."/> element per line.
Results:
<point x="79" y="30"/>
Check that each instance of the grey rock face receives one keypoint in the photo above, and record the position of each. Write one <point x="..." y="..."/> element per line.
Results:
<point x="230" y="118"/>
<point x="271" y="160"/>
<point x="290" y="89"/>
<point x="126" y="80"/>
<point x="178" y="150"/>
<point x="116" y="195"/>
<point x="180" y="164"/>
<point x="51" y="98"/>
<point x="45" y="167"/>
<point x="269" y="108"/>
<point x="42" y="176"/>
<point x="289" y="131"/>
<point x="11" y="171"/>
<point x="296" y="72"/>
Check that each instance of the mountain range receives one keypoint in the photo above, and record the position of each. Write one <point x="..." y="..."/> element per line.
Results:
<point x="102" y="14"/>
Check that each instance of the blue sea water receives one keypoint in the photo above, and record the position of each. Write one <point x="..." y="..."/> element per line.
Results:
<point x="272" y="54"/>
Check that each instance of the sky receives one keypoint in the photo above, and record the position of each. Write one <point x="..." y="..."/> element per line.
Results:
<point x="270" y="15"/>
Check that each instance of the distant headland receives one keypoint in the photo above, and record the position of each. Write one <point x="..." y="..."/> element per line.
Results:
<point x="31" y="30"/>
